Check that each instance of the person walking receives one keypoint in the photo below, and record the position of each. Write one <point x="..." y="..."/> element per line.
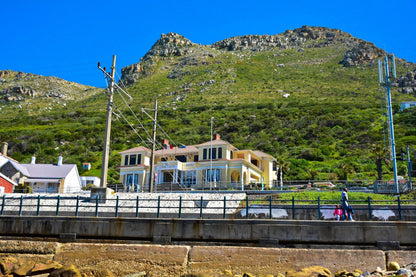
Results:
<point x="338" y="212"/>
<point x="346" y="207"/>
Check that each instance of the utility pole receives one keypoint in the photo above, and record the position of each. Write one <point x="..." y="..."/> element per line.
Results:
<point x="106" y="150"/>
<point x="152" y="156"/>
<point x="210" y="157"/>
<point x="409" y="168"/>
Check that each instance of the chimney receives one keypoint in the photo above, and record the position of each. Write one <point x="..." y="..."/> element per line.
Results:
<point x="4" y="148"/>
<point x="33" y="161"/>
<point x="60" y="160"/>
<point x="216" y="137"/>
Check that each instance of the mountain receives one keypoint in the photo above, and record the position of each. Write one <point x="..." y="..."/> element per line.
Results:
<point x="308" y="96"/>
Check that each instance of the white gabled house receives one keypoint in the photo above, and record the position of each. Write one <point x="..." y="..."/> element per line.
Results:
<point x="44" y="178"/>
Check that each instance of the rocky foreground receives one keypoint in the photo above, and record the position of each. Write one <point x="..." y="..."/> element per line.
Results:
<point x="38" y="258"/>
<point x="17" y="267"/>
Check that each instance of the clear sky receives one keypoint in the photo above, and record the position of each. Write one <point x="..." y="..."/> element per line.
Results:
<point x="66" y="39"/>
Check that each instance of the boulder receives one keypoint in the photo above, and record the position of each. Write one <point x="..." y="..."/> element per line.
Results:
<point x="393" y="266"/>
<point x="66" y="271"/>
<point x="313" y="271"/>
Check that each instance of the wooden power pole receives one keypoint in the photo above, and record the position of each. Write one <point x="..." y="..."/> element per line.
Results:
<point x="152" y="158"/>
<point x="106" y="150"/>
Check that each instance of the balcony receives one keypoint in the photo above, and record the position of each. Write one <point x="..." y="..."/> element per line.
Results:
<point x="175" y="165"/>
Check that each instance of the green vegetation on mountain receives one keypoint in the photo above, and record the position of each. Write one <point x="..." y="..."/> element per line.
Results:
<point x="310" y="97"/>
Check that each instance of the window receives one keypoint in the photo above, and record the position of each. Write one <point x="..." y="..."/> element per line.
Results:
<point x="129" y="179"/>
<point x="219" y="153"/>
<point x="205" y="154"/>
<point x="163" y="160"/>
<point x="189" y="178"/>
<point x="126" y="160"/>
<point x="196" y="158"/>
<point x="133" y="159"/>
<point x="132" y="182"/>
<point x="53" y="187"/>
<point x="181" y="158"/>
<point x="214" y="153"/>
<point x="139" y="159"/>
<point x="136" y="182"/>
<point x="215" y="176"/>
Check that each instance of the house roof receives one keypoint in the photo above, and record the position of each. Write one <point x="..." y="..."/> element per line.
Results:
<point x="135" y="150"/>
<point x="177" y="151"/>
<point x="215" y="142"/>
<point x="262" y="154"/>
<point x="46" y="170"/>
<point x="4" y="159"/>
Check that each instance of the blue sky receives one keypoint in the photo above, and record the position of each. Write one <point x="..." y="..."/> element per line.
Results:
<point x="66" y="39"/>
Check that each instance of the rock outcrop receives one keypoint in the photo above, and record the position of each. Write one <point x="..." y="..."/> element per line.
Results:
<point x="18" y="86"/>
<point x="170" y="44"/>
<point x="321" y="37"/>
<point x="364" y="52"/>
<point x="408" y="82"/>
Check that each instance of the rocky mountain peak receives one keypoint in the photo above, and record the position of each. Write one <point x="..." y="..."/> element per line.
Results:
<point x="171" y="44"/>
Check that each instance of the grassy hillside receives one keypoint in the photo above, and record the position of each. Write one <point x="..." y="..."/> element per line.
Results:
<point x="321" y="119"/>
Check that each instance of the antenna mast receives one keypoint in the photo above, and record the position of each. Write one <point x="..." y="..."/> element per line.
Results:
<point x="384" y="72"/>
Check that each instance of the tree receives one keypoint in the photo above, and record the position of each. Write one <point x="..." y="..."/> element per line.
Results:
<point x="379" y="156"/>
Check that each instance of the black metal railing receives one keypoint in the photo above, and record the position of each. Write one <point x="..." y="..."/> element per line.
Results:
<point x="192" y="206"/>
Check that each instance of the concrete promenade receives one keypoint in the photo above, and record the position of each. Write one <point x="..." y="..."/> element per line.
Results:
<point x="377" y="234"/>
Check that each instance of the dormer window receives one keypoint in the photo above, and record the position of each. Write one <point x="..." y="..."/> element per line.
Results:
<point x="133" y="159"/>
<point x="216" y="153"/>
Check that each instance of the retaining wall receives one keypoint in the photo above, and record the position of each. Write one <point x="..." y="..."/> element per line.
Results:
<point x="392" y="235"/>
<point x="124" y="259"/>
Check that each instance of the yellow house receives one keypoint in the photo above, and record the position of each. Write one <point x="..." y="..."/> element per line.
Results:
<point x="214" y="164"/>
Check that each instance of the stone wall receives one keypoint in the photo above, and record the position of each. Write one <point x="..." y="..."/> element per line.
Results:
<point x="125" y="259"/>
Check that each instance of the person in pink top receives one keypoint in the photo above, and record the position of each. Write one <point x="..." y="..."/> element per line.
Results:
<point x="338" y="212"/>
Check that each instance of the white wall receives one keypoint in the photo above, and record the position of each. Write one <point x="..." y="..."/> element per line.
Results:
<point x="95" y="180"/>
<point x="72" y="181"/>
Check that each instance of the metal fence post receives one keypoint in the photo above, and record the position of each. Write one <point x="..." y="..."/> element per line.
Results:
<point x="399" y="207"/>
<point x="77" y="206"/>
<point x="180" y="207"/>
<point x="96" y="205"/>
<point x="57" y="204"/>
<point x="116" y="213"/>
<point x="270" y="207"/>
<point x="137" y="206"/>
<point x="21" y="205"/>
<point x="225" y="207"/>
<point x="247" y="206"/>
<point x="38" y="207"/>
<point x="158" y="207"/>
<point x="293" y="207"/>
<point x="3" y="203"/>
<point x="370" y="215"/>
<point x="319" y="207"/>
<point x="200" y="210"/>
